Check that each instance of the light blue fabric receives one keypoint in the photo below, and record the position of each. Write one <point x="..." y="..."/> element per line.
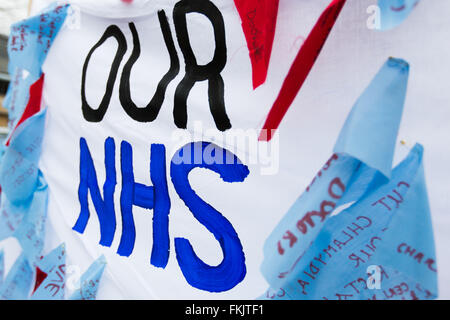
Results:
<point x="54" y="258"/>
<point x="394" y="12"/>
<point x="90" y="280"/>
<point x="380" y="216"/>
<point x="17" y="284"/>
<point x="54" y="264"/>
<point x="2" y="267"/>
<point x="370" y="132"/>
<point x="30" y="40"/>
<point x="380" y="105"/>
<point x="280" y="253"/>
<point x="19" y="170"/>
<point x="371" y="233"/>
<point x="31" y="231"/>
<point x="29" y="43"/>
<point x="18" y="94"/>
<point x="24" y="190"/>
<point x="10" y="217"/>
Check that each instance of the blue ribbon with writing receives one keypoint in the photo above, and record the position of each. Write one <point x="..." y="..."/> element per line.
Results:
<point x="24" y="193"/>
<point x="345" y="236"/>
<point x="89" y="281"/>
<point x="54" y="266"/>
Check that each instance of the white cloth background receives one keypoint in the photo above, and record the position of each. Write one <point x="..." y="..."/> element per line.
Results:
<point x="349" y="60"/>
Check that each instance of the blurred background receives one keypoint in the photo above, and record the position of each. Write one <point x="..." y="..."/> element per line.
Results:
<point x="10" y="12"/>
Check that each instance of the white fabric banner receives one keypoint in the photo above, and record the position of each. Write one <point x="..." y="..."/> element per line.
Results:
<point x="351" y="57"/>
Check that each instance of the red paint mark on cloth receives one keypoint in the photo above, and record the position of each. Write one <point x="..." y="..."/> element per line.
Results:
<point x="259" y="19"/>
<point x="40" y="277"/>
<point x="301" y="67"/>
<point x="33" y="106"/>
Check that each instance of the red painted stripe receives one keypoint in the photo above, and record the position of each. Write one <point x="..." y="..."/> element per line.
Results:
<point x="40" y="277"/>
<point x="259" y="19"/>
<point x="271" y="25"/>
<point x="301" y="67"/>
<point x="33" y="105"/>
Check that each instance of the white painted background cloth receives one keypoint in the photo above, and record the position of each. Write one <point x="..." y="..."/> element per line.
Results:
<point x="349" y="60"/>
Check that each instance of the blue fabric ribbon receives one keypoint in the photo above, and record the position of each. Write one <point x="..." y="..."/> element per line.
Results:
<point x="353" y="233"/>
<point x="394" y="12"/>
